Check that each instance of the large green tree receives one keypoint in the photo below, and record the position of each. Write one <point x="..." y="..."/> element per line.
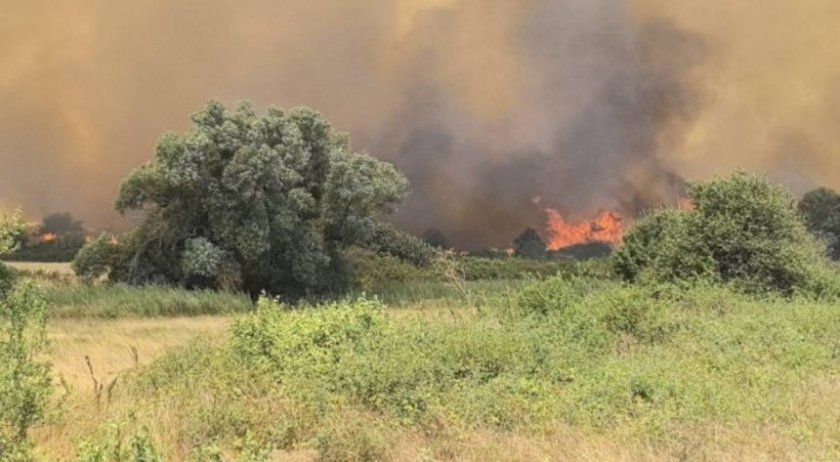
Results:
<point x="262" y="202"/>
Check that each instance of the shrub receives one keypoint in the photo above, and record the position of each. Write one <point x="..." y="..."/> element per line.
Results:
<point x="529" y="244"/>
<point x="821" y="210"/>
<point x="95" y="259"/>
<point x="119" y="446"/>
<point x="595" y="311"/>
<point x="554" y="294"/>
<point x="25" y="384"/>
<point x="353" y="438"/>
<point x="390" y="241"/>
<point x="661" y="247"/>
<point x="741" y="229"/>
<point x="24" y="380"/>
<point x="308" y="342"/>
<point x="373" y="272"/>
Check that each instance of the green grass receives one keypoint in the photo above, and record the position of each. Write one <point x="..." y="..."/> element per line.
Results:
<point x="437" y="368"/>
<point x="696" y="374"/>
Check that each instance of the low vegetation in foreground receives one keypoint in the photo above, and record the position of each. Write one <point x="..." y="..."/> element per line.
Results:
<point x="625" y="372"/>
<point x="711" y="335"/>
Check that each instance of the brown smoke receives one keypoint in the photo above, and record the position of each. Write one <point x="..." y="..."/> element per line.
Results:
<point x="485" y="104"/>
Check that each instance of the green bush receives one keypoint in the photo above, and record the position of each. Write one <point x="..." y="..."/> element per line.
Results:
<point x="307" y="343"/>
<point x="95" y="259"/>
<point x="372" y="272"/>
<point x="25" y="383"/>
<point x="555" y="294"/>
<point x="821" y="210"/>
<point x="741" y="229"/>
<point x="121" y="446"/>
<point x="388" y="240"/>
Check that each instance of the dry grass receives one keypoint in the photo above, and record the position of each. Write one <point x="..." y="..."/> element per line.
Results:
<point x="58" y="268"/>
<point x="111" y="347"/>
<point x="492" y="446"/>
<point x="111" y="344"/>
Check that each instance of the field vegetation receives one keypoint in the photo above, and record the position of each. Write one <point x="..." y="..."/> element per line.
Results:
<point x="711" y="334"/>
<point x="567" y="368"/>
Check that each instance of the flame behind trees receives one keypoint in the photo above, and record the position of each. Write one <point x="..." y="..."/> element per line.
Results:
<point x="605" y="228"/>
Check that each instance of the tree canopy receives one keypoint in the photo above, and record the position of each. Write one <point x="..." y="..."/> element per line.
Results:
<point x="62" y="224"/>
<point x="260" y="202"/>
<point x="11" y="227"/>
<point x="821" y="210"/>
<point x="529" y="244"/>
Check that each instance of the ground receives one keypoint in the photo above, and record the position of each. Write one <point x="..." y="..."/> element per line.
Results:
<point x="708" y="375"/>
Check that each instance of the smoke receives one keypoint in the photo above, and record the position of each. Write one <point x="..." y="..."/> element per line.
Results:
<point x="494" y="109"/>
<point x="596" y="97"/>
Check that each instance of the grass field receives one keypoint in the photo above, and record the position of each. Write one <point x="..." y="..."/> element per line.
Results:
<point x="564" y="369"/>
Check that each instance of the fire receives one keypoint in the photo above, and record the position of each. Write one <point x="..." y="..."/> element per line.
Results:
<point x="48" y="237"/>
<point x="606" y="227"/>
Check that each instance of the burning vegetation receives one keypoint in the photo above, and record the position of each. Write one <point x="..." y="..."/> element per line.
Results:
<point x="606" y="228"/>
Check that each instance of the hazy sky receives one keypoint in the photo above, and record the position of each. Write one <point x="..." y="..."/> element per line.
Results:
<point x="485" y="104"/>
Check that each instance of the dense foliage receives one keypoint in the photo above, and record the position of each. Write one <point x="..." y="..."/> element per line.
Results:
<point x="25" y="383"/>
<point x="24" y="378"/>
<point x="10" y="229"/>
<point x="821" y="210"/>
<point x="742" y="230"/>
<point x="258" y="202"/>
<point x="64" y="227"/>
<point x="529" y="244"/>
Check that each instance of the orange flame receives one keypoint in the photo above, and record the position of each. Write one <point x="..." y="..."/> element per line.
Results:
<point x="48" y="237"/>
<point x="606" y="227"/>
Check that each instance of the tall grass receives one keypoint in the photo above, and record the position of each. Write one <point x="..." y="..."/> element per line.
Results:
<point x="114" y="301"/>
<point x="671" y="374"/>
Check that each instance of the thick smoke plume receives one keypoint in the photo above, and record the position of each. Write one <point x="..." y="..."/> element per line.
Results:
<point x="495" y="109"/>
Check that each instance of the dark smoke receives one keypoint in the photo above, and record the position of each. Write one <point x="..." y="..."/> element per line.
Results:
<point x="602" y="98"/>
<point x="494" y="109"/>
